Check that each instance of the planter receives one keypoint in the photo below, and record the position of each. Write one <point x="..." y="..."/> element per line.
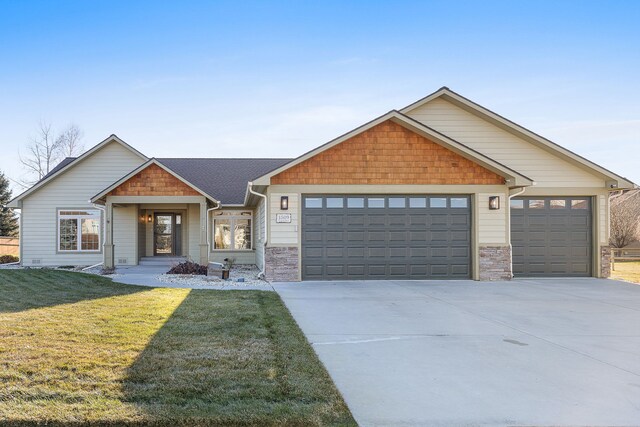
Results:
<point x="225" y="274"/>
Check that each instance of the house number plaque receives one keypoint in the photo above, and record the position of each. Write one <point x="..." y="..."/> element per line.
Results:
<point x="283" y="218"/>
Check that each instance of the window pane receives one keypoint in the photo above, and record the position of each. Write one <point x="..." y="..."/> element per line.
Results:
<point x="178" y="219"/>
<point x="459" y="202"/>
<point x="90" y="234"/>
<point x="242" y="234"/>
<point x="68" y="234"/>
<point x="313" y="202"/>
<point x="517" y="204"/>
<point x="335" y="202"/>
<point x="558" y="204"/>
<point x="397" y="202"/>
<point x="580" y="204"/>
<point x="355" y="202"/>
<point x="438" y="202"/>
<point x="536" y="204"/>
<point x="375" y="203"/>
<point x="417" y="202"/>
<point x="222" y="234"/>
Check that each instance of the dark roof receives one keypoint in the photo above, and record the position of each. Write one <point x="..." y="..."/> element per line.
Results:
<point x="224" y="179"/>
<point x="59" y="166"/>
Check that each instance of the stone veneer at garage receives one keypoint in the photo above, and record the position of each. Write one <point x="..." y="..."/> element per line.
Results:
<point x="495" y="263"/>
<point x="281" y="264"/>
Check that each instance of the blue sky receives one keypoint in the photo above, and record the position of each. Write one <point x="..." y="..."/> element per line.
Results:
<point x="275" y="79"/>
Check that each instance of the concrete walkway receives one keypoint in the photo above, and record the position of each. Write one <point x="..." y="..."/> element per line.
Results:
<point x="560" y="352"/>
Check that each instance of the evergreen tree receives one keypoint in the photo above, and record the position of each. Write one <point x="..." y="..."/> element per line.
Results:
<point x="8" y="220"/>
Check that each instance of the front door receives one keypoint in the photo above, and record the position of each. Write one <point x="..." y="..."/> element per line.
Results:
<point x="164" y="234"/>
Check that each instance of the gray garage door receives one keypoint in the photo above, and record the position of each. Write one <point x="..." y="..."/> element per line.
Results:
<point x="386" y="237"/>
<point x="551" y="236"/>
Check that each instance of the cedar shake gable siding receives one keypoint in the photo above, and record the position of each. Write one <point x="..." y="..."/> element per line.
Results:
<point x="387" y="154"/>
<point x="153" y="181"/>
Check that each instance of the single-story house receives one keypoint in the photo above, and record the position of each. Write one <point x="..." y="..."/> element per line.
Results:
<point x="441" y="189"/>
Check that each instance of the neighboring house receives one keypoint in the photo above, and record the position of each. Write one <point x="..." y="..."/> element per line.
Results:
<point x="442" y="189"/>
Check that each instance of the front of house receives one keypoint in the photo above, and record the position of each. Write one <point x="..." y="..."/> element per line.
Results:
<point x="442" y="189"/>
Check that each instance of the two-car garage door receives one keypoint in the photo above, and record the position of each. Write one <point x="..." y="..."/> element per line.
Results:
<point x="386" y="237"/>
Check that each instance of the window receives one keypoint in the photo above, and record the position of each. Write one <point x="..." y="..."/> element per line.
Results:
<point x="79" y="230"/>
<point x="579" y="204"/>
<point x="536" y="204"/>
<point x="232" y="230"/>
<point x="397" y="202"/>
<point x="557" y="204"/>
<point x="355" y="202"/>
<point x="517" y="204"/>
<point x="313" y="202"/>
<point x="375" y="203"/>
<point x="417" y="202"/>
<point x="458" y="202"/>
<point x="438" y="202"/>
<point x="335" y="202"/>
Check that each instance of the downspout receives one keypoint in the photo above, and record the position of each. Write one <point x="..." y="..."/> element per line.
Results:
<point x="266" y="229"/>
<point x="219" y="204"/>
<point x="104" y="234"/>
<point x="517" y="193"/>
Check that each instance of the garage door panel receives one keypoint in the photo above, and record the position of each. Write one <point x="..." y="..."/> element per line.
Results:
<point x="551" y="240"/>
<point x="375" y="240"/>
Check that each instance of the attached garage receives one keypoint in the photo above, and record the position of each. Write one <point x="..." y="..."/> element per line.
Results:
<point x="551" y="236"/>
<point x="353" y="237"/>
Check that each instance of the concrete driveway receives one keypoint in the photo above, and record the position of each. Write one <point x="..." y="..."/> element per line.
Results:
<point x="553" y="352"/>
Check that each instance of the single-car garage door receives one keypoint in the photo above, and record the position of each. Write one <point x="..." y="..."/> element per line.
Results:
<point x="386" y="237"/>
<point x="551" y="236"/>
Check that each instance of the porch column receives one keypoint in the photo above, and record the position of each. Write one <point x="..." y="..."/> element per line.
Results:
<point x="204" y="247"/>
<point x="108" y="235"/>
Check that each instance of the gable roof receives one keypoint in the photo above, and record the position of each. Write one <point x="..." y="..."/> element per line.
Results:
<point x="70" y="162"/>
<point x="520" y="131"/>
<point x="513" y="178"/>
<point x="226" y="179"/>
<point x="222" y="180"/>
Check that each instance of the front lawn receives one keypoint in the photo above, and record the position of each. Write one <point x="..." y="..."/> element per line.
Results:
<point x="629" y="271"/>
<point x="79" y="349"/>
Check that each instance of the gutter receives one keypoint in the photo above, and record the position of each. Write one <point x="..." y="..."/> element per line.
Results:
<point x="207" y="227"/>
<point x="266" y="227"/>
<point x="104" y="234"/>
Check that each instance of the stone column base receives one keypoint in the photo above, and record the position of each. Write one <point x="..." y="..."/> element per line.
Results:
<point x="495" y="263"/>
<point x="281" y="264"/>
<point x="605" y="262"/>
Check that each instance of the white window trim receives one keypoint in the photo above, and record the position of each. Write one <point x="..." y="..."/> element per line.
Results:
<point x="232" y="216"/>
<point x="79" y="218"/>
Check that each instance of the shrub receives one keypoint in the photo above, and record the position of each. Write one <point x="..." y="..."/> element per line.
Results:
<point x="188" y="267"/>
<point x="6" y="259"/>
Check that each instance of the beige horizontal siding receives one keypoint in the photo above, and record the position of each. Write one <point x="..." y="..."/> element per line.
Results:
<point x="542" y="166"/>
<point x="125" y="232"/>
<point x="284" y="233"/>
<point x="492" y="225"/>
<point x="72" y="189"/>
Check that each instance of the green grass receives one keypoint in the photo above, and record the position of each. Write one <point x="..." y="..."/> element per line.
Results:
<point x="78" y="349"/>
<point x="628" y="270"/>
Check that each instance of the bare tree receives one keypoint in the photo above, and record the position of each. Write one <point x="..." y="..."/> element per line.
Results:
<point x="625" y="218"/>
<point x="70" y="141"/>
<point x="43" y="153"/>
<point x="46" y="149"/>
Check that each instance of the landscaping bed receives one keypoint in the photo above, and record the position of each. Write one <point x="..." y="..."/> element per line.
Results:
<point x="81" y="349"/>
<point x="627" y="270"/>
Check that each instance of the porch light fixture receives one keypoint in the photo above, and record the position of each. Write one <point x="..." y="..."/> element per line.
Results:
<point x="284" y="203"/>
<point x="149" y="218"/>
<point x="494" y="203"/>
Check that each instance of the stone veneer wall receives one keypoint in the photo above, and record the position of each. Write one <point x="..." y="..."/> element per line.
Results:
<point x="605" y="261"/>
<point x="281" y="264"/>
<point x="495" y="263"/>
